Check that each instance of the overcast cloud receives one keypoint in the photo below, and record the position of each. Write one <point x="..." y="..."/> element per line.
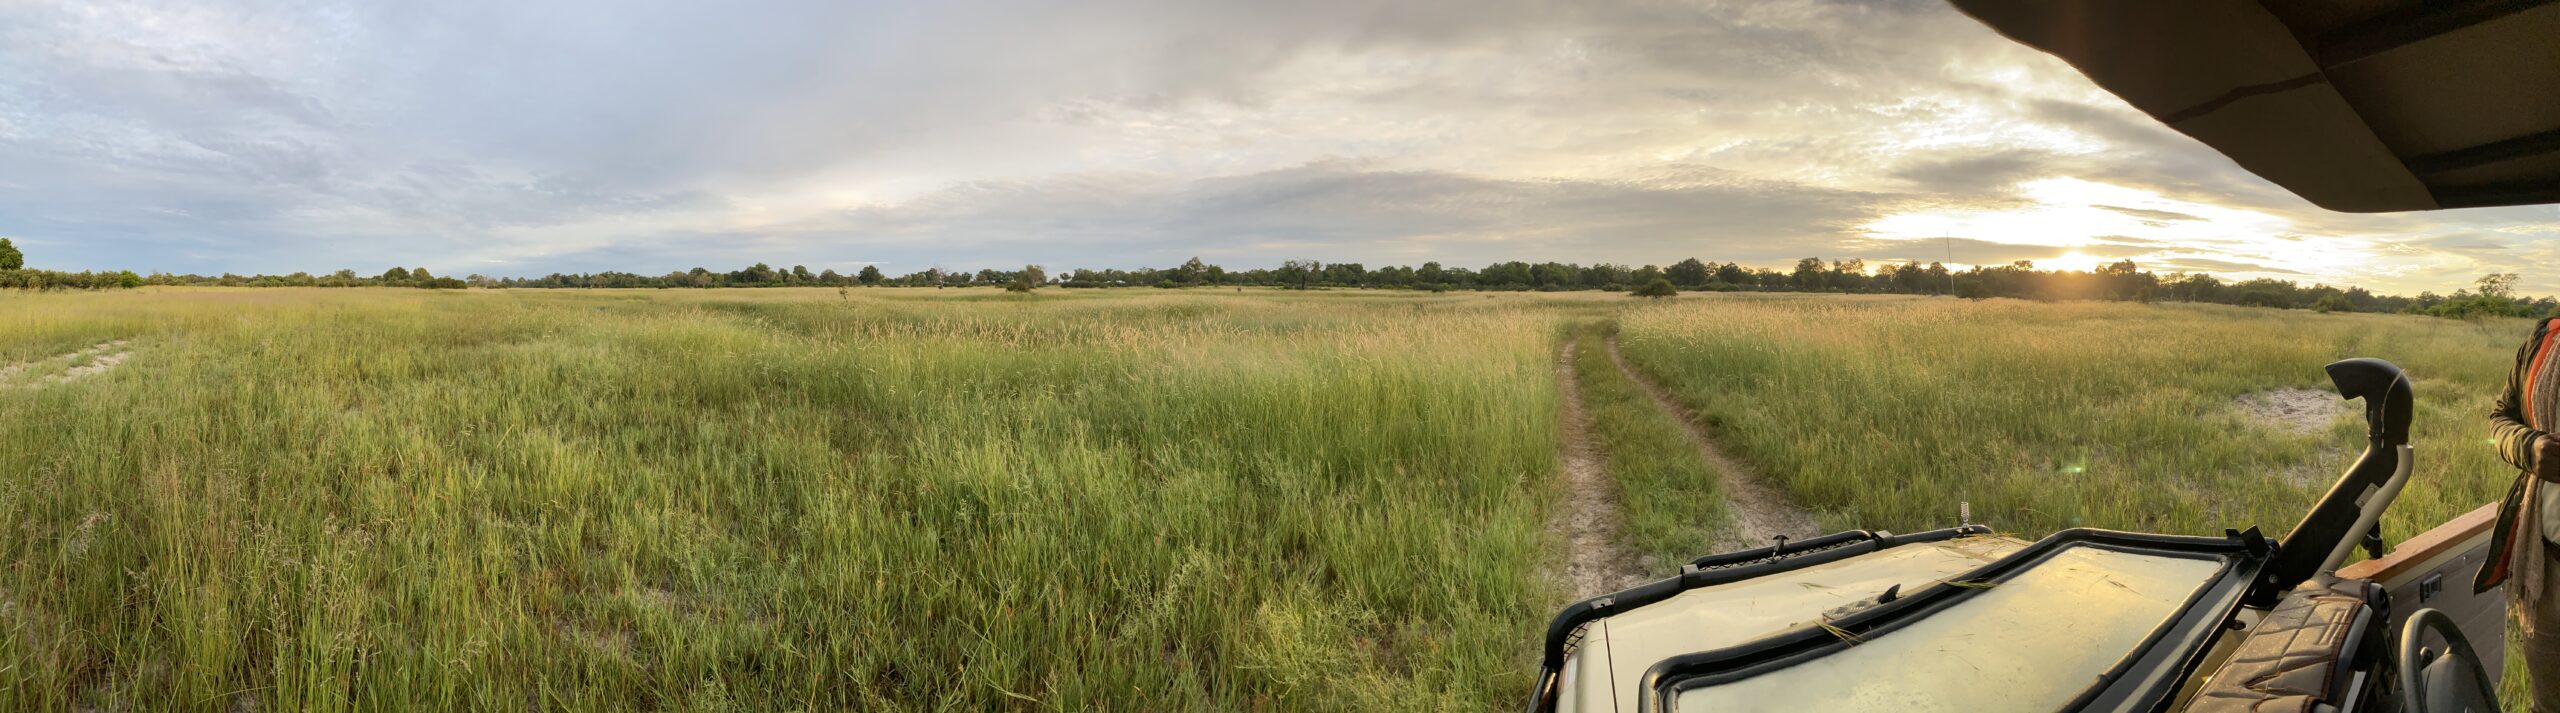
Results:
<point x="519" y="138"/>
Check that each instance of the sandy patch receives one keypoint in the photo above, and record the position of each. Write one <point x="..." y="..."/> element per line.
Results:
<point x="1759" y="511"/>
<point x="2301" y="411"/>
<point x="1596" y="562"/>
<point x="95" y="360"/>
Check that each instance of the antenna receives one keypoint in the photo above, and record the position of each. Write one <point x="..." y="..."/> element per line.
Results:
<point x="1951" y="264"/>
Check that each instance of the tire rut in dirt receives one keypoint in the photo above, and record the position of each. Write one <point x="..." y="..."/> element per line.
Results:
<point x="1589" y="522"/>
<point x="1760" y="511"/>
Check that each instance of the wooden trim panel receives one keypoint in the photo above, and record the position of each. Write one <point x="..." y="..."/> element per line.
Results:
<point x="2415" y="554"/>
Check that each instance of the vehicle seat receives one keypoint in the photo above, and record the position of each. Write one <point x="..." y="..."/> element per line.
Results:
<point x="2306" y="654"/>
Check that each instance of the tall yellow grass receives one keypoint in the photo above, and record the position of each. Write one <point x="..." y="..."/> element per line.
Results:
<point x="902" y="500"/>
<point x="775" y="500"/>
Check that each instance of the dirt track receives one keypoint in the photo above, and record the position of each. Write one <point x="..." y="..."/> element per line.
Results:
<point x="1759" y="510"/>
<point x="1596" y="560"/>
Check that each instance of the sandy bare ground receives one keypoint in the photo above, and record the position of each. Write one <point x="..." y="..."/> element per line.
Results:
<point x="74" y="366"/>
<point x="1595" y="562"/>
<point x="2295" y="410"/>
<point x="1759" y="511"/>
<point x="2301" y="412"/>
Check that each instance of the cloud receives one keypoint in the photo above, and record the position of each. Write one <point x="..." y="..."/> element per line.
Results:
<point x="2198" y="264"/>
<point x="2146" y="213"/>
<point x="270" y="135"/>
<point x="1329" y="211"/>
<point x="1975" y="173"/>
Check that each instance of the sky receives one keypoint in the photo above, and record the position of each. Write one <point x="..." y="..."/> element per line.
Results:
<point x="505" y="137"/>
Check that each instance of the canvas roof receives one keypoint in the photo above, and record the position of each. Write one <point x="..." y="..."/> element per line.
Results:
<point x="2356" y="105"/>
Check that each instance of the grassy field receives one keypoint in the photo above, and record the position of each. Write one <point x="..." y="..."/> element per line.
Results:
<point x="920" y="500"/>
<point x="1886" y="412"/>
<point x="769" y="500"/>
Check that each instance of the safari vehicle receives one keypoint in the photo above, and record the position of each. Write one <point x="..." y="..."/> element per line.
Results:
<point x="2355" y="105"/>
<point x="1962" y="619"/>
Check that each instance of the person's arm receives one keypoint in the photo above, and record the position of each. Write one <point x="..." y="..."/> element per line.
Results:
<point x="2520" y="444"/>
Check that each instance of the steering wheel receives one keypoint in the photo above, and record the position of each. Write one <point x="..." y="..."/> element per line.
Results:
<point x="2449" y="682"/>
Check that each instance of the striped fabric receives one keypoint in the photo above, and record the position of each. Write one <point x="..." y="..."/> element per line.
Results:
<point x="2526" y="529"/>
<point x="2542" y="386"/>
<point x="2541" y="391"/>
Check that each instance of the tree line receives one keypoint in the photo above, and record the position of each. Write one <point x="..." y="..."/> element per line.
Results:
<point x="2492" y="295"/>
<point x="2124" y="280"/>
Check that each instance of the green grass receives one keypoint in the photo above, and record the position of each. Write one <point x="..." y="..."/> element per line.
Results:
<point x="1886" y="412"/>
<point x="776" y="500"/>
<point x="1136" y="500"/>
<point x="1672" y="507"/>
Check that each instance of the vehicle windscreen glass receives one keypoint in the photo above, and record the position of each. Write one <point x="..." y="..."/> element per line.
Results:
<point x="2033" y="642"/>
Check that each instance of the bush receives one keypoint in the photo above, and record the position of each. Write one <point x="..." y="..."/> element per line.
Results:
<point x="1657" y="289"/>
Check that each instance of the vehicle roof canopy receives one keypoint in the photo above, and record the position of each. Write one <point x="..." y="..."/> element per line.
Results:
<point x="2356" y="105"/>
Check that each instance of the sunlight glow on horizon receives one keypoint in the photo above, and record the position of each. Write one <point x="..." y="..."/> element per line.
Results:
<point x="2098" y="223"/>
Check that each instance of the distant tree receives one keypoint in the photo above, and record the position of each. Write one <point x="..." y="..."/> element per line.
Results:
<point x="1505" y="274"/>
<point x="2333" y="303"/>
<point x="1605" y="275"/>
<point x="2501" y="285"/>
<point x="1687" y="273"/>
<point x="870" y="275"/>
<point x="1030" y="278"/>
<point x="1808" y="275"/>
<point x="10" y="258"/>
<point x="1347" y="274"/>
<point x="1657" y="289"/>
<point x="1296" y="274"/>
<point x="1551" y="274"/>
<point x="395" y="275"/>
<point x="2495" y="298"/>
<point x="2266" y="292"/>
<point x="124" y="279"/>
<point x="1846" y="275"/>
